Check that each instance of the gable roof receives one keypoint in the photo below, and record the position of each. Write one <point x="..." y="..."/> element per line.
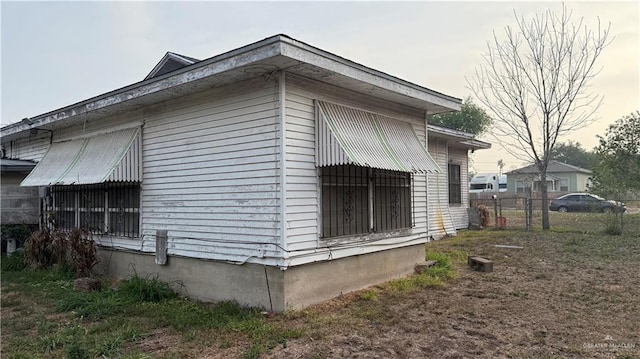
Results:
<point x="169" y="63"/>
<point x="262" y="58"/>
<point x="554" y="167"/>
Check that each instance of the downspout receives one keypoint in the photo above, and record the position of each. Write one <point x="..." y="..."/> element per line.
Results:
<point x="426" y="175"/>
<point x="283" y="164"/>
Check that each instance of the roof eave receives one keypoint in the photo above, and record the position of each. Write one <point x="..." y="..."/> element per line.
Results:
<point x="312" y="55"/>
<point x="461" y="138"/>
<point x="290" y="50"/>
<point x="476" y="144"/>
<point x="221" y="63"/>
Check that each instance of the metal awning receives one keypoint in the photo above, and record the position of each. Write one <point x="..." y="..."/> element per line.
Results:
<point x="351" y="136"/>
<point x="109" y="157"/>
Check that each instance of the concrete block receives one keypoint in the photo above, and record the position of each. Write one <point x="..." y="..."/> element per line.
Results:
<point x="421" y="267"/>
<point x="480" y="264"/>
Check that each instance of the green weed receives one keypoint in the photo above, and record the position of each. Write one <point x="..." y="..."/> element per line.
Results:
<point x="76" y="351"/>
<point x="92" y="305"/>
<point x="253" y="352"/>
<point x="434" y="276"/>
<point x="14" y="262"/>
<point x="613" y="229"/>
<point x="369" y="295"/>
<point x="150" y="289"/>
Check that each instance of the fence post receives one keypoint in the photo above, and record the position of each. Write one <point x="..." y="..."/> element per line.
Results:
<point x="526" y="213"/>
<point x="495" y="209"/>
<point x="530" y="214"/>
<point x="621" y="219"/>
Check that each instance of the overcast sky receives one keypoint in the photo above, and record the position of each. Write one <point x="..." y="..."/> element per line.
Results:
<point x="58" y="53"/>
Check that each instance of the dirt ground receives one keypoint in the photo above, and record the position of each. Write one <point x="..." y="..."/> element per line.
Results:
<point x="562" y="295"/>
<point x="565" y="296"/>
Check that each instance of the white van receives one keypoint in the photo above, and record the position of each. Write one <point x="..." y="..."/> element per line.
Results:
<point x="488" y="182"/>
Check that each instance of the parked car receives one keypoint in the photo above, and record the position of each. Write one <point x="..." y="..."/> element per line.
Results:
<point x="585" y="202"/>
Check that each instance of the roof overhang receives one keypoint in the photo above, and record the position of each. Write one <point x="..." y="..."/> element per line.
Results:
<point x="533" y="176"/>
<point x="262" y="58"/>
<point x="554" y="166"/>
<point x="457" y="138"/>
<point x="8" y="165"/>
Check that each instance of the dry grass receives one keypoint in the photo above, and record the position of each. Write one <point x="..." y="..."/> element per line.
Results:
<point x="566" y="294"/>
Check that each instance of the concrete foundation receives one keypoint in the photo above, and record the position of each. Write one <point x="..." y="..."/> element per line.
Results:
<point x="316" y="282"/>
<point x="262" y="286"/>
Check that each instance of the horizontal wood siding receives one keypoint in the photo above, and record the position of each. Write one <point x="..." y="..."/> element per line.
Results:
<point x="440" y="219"/>
<point x="34" y="147"/>
<point x="459" y="213"/>
<point x="302" y="180"/>
<point x="30" y="148"/>
<point x="211" y="178"/>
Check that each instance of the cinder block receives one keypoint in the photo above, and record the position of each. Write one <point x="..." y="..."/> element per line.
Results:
<point x="480" y="264"/>
<point x="421" y="267"/>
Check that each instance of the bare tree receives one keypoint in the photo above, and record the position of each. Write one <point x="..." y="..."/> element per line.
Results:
<point x="535" y="83"/>
<point x="501" y="165"/>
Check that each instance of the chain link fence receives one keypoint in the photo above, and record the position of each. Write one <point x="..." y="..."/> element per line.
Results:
<point x="516" y="211"/>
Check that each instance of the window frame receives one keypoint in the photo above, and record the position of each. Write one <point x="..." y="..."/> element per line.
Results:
<point x="379" y="185"/>
<point x="455" y="183"/>
<point x="128" y="207"/>
<point x="566" y="186"/>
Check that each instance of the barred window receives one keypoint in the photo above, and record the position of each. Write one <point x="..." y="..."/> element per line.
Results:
<point x="357" y="200"/>
<point x="106" y="208"/>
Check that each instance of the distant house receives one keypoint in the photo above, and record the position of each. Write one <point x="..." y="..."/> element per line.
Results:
<point x="561" y="177"/>
<point x="276" y="174"/>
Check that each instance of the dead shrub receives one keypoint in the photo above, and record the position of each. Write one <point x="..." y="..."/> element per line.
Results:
<point x="483" y="210"/>
<point x="38" y="250"/>
<point x="74" y="249"/>
<point x="81" y="252"/>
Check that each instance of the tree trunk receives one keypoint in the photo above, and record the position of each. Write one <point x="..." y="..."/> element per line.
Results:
<point x="545" y="200"/>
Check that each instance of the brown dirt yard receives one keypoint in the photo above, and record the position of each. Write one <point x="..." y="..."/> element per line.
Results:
<point x="563" y="295"/>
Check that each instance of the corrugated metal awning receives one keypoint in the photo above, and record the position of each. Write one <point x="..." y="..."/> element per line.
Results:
<point x="351" y="136"/>
<point x="109" y="157"/>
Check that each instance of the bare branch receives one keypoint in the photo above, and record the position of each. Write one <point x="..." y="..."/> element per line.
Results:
<point x="535" y="80"/>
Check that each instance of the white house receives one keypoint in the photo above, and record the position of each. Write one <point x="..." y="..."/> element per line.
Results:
<point x="276" y="174"/>
<point x="448" y="189"/>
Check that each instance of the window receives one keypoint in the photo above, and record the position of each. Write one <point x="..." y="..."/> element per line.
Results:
<point x="455" y="192"/>
<point x="537" y="186"/>
<point x="564" y="185"/>
<point x="357" y="200"/>
<point x="107" y="208"/>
